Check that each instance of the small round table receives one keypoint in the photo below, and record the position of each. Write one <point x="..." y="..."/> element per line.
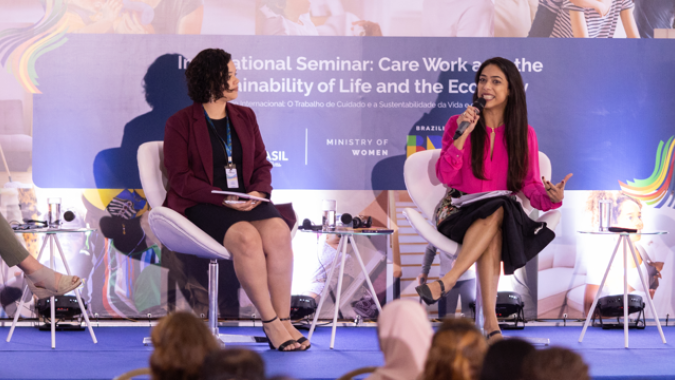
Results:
<point x="346" y="238"/>
<point x="627" y="243"/>
<point x="53" y="240"/>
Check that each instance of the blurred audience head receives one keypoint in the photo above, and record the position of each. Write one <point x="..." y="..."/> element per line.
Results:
<point x="233" y="364"/>
<point x="405" y="334"/>
<point x="555" y="363"/>
<point x="504" y="360"/>
<point x="459" y="325"/>
<point x="456" y="353"/>
<point x="181" y="342"/>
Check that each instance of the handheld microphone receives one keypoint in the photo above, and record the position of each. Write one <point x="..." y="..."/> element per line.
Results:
<point x="359" y="221"/>
<point x="308" y="226"/>
<point x="346" y="219"/>
<point x="479" y="104"/>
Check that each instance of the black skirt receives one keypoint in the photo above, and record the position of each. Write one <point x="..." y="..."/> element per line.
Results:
<point x="216" y="220"/>
<point x="522" y="237"/>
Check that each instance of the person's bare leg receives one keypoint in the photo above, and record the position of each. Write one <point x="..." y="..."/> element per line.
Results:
<point x="29" y="265"/>
<point x="276" y="241"/>
<point x="589" y="296"/>
<point x="245" y="244"/>
<point x="489" y="269"/>
<point x="476" y="241"/>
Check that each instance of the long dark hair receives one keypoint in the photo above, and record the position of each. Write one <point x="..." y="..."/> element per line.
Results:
<point x="515" y="120"/>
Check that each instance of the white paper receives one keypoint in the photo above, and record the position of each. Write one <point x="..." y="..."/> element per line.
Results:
<point x="240" y="195"/>
<point x="470" y="198"/>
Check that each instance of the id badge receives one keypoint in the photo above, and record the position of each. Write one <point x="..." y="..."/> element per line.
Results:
<point x="232" y="180"/>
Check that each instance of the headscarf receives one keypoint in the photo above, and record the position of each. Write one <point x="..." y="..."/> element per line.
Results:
<point x="405" y="337"/>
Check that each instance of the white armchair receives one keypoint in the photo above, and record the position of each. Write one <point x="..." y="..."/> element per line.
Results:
<point x="426" y="191"/>
<point x="178" y="234"/>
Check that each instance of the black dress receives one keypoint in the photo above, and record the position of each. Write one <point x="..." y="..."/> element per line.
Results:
<point x="522" y="237"/>
<point x="216" y="220"/>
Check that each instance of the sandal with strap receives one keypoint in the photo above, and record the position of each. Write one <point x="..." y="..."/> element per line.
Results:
<point x="300" y="340"/>
<point x="425" y="293"/>
<point x="49" y="287"/>
<point x="284" y="344"/>
<point x="492" y="334"/>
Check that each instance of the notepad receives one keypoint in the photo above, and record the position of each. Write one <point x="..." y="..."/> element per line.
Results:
<point x="240" y="195"/>
<point x="471" y="198"/>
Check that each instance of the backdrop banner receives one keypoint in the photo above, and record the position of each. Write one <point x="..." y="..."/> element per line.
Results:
<point x="342" y="113"/>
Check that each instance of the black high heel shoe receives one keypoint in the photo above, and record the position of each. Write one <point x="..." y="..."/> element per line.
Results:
<point x="425" y="293"/>
<point x="284" y="344"/>
<point x="492" y="338"/>
<point x="301" y="340"/>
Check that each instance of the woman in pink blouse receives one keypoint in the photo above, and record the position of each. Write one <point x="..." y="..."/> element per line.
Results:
<point x="495" y="229"/>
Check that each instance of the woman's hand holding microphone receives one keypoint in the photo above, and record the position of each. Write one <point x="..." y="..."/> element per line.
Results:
<point x="471" y="116"/>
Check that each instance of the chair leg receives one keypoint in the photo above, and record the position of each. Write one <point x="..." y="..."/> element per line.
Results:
<point x="213" y="297"/>
<point x="213" y="314"/>
<point x="480" y="318"/>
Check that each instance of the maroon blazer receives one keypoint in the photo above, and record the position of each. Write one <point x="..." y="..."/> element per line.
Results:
<point x="188" y="157"/>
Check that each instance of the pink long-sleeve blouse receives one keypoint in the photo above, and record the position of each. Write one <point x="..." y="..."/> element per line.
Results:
<point x="454" y="167"/>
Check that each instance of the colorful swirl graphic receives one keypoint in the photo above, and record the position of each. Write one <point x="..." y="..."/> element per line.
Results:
<point x="21" y="47"/>
<point x="659" y="188"/>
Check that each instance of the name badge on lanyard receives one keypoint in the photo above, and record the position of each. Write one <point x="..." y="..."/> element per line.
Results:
<point x="230" y="168"/>
<point x="231" y="174"/>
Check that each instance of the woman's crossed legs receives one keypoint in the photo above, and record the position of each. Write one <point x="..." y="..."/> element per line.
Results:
<point x="482" y="245"/>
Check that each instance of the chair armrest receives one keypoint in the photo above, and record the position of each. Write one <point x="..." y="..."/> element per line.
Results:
<point x="552" y="219"/>
<point x="429" y="232"/>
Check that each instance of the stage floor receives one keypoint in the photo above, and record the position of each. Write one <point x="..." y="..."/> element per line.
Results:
<point x="120" y="349"/>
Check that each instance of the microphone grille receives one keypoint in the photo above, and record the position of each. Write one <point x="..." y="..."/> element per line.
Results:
<point x="346" y="218"/>
<point x="69" y="216"/>
<point x="479" y="103"/>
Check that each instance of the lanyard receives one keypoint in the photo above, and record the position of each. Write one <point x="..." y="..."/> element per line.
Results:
<point x="228" y="145"/>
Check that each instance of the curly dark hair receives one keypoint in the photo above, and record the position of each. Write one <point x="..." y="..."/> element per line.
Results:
<point x="207" y="75"/>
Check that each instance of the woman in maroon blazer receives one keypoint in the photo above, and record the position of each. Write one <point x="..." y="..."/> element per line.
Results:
<point x="216" y="145"/>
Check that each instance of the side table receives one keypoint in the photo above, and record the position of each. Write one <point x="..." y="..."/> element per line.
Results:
<point x="624" y="237"/>
<point x="52" y="238"/>
<point x="346" y="238"/>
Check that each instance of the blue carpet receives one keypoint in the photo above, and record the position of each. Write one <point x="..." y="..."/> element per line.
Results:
<point x="28" y="356"/>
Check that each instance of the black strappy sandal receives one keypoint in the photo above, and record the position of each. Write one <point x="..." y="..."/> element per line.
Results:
<point x="284" y="344"/>
<point x="489" y="338"/>
<point x="301" y="340"/>
<point x="425" y="293"/>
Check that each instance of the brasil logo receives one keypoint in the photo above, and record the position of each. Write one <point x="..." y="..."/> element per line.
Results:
<point x="419" y="143"/>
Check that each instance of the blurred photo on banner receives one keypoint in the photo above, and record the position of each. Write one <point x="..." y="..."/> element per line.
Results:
<point x="285" y="18"/>
<point x="513" y="18"/>
<point x="333" y="18"/>
<point x="135" y="17"/>
<point x="599" y="18"/>
<point x="458" y="18"/>
<point x="653" y="15"/>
